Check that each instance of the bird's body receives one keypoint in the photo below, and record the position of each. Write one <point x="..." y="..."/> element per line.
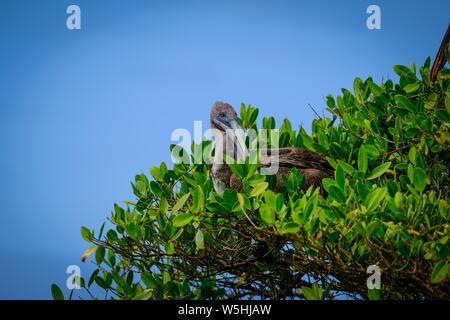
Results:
<point x="311" y="165"/>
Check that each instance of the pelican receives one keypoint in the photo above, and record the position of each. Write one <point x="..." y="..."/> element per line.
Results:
<point x="229" y="141"/>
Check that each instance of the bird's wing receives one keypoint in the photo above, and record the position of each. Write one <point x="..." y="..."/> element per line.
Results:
<point x="295" y="157"/>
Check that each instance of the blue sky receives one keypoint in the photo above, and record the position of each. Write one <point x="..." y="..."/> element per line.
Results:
<point x="83" y="111"/>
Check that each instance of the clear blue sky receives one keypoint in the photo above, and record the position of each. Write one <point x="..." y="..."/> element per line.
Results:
<point x="81" y="112"/>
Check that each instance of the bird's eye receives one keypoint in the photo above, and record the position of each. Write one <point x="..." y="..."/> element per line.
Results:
<point x="222" y="114"/>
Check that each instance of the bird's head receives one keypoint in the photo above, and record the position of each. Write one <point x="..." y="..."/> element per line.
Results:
<point x="223" y="117"/>
<point x="227" y="130"/>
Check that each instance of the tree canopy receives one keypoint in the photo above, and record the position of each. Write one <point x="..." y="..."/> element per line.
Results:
<point x="387" y="206"/>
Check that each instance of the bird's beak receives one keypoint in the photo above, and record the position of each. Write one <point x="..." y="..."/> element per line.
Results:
<point x="234" y="135"/>
<point x="237" y="134"/>
<point x="225" y="123"/>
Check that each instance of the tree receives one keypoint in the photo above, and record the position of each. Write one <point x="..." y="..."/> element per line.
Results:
<point x="387" y="206"/>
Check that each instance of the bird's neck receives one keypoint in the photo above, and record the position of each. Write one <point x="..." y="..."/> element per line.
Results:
<point x="231" y="144"/>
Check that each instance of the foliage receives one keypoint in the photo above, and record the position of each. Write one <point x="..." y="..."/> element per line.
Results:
<point x="387" y="205"/>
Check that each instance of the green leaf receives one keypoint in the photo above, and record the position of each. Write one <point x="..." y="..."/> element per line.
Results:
<point x="166" y="277"/>
<point x="443" y="208"/>
<point x="258" y="189"/>
<point x="170" y="247"/>
<point x="141" y="187"/>
<point x="156" y="173"/>
<point x="198" y="201"/>
<point x="130" y="277"/>
<point x="112" y="235"/>
<point x="444" y="74"/>
<point x="362" y="159"/>
<point x="86" y="234"/>
<point x="307" y="141"/>
<point x="375" y="197"/>
<point x="182" y="219"/>
<point x="404" y="103"/>
<point x="289" y="227"/>
<point x="376" y="89"/>
<point x="149" y="280"/>
<point x="402" y="71"/>
<point x="286" y="125"/>
<point x="374" y="294"/>
<point x="284" y="139"/>
<point x="440" y="272"/>
<point x="412" y="155"/>
<point x="443" y="115"/>
<point x="340" y="178"/>
<point x="163" y="169"/>
<point x="112" y="257"/>
<point x="347" y="168"/>
<point x="313" y="293"/>
<point x="268" y="123"/>
<point x="230" y="198"/>
<point x="419" y="179"/>
<point x="412" y="87"/>
<point x="101" y="282"/>
<point x="155" y="187"/>
<point x="163" y="205"/>
<point x="267" y="214"/>
<point x="243" y="111"/>
<point x="132" y="230"/>
<point x="199" y="240"/>
<point x="92" y="277"/>
<point x="357" y="88"/>
<point x="101" y="230"/>
<point x="378" y="171"/>
<point x="56" y="292"/>
<point x="180" y="203"/>
<point x="337" y="194"/>
<point x="398" y="200"/>
<point x="271" y="199"/>
<point x="179" y="155"/>
<point x="237" y="169"/>
<point x="99" y="254"/>
<point x="279" y="202"/>
<point x="144" y="295"/>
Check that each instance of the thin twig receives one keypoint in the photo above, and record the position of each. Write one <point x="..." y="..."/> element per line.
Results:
<point x="311" y="107"/>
